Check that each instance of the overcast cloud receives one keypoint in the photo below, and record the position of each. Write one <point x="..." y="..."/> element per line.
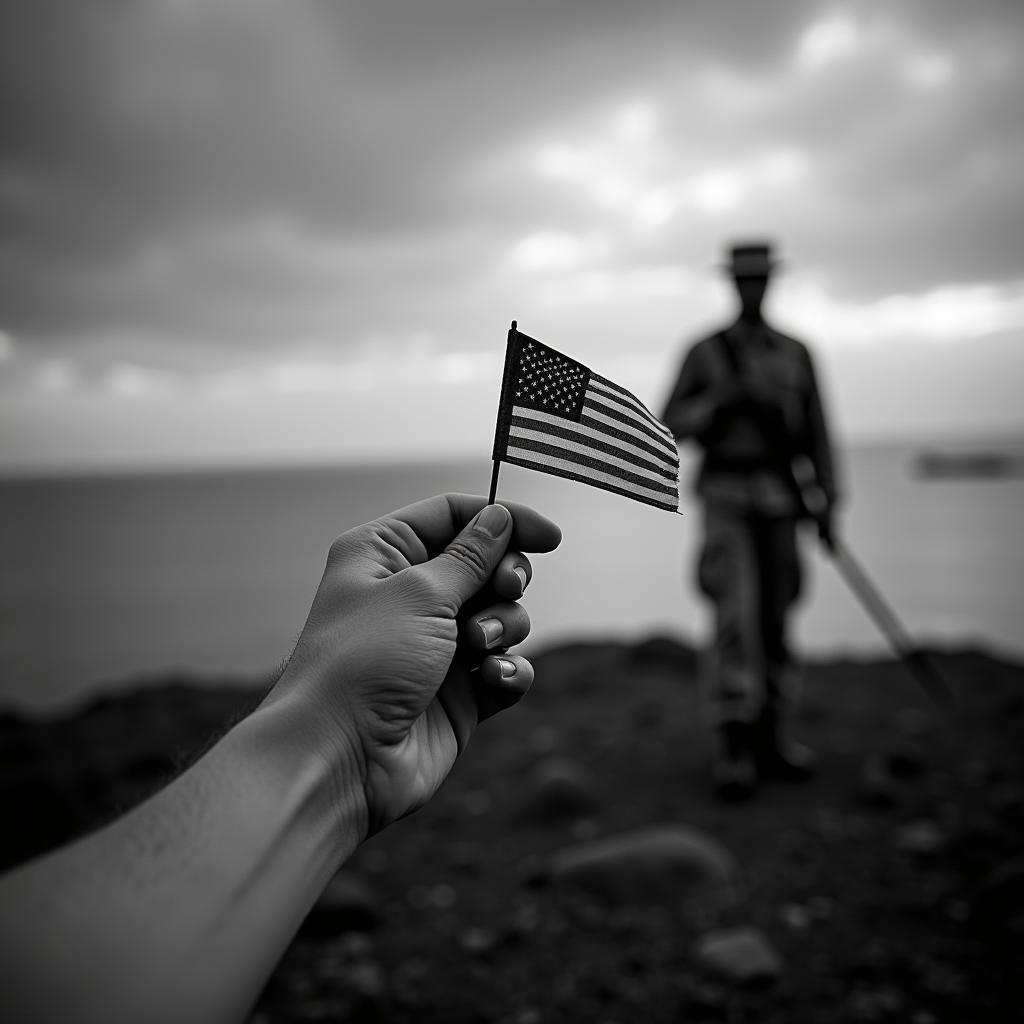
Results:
<point x="210" y="198"/>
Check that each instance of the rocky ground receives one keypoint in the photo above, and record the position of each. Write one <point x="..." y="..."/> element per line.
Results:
<point x="575" y="867"/>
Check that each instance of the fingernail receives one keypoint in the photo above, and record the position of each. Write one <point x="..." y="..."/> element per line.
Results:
<point x="493" y="519"/>
<point x="492" y="630"/>
<point x="523" y="579"/>
<point x="508" y="668"/>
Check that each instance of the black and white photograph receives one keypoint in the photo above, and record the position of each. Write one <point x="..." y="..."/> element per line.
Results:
<point x="510" y="513"/>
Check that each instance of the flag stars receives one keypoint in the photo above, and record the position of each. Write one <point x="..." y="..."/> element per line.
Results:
<point x="549" y="381"/>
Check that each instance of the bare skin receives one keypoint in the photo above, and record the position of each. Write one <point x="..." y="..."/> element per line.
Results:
<point x="180" y="909"/>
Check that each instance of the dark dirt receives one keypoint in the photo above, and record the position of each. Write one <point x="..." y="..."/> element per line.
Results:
<point x="891" y="886"/>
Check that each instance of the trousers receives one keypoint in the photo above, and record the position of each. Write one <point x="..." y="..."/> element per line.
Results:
<point x="750" y="571"/>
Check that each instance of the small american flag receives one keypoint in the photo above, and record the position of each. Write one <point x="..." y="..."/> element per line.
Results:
<point x="559" y="417"/>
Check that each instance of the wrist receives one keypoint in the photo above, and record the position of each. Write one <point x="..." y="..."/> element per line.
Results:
<point x="322" y="765"/>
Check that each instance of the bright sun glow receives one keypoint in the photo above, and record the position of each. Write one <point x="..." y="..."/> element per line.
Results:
<point x="834" y="38"/>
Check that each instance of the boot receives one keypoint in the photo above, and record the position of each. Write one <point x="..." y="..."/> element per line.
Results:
<point x="777" y="755"/>
<point x="735" y="772"/>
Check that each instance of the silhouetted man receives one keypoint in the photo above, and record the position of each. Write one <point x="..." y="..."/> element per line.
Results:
<point x="747" y="395"/>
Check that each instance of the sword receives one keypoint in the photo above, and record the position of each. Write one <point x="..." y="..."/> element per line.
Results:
<point x="885" y="618"/>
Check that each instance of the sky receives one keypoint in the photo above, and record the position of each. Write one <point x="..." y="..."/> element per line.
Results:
<point x="252" y="231"/>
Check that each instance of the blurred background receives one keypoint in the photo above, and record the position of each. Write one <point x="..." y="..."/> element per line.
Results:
<point x="257" y="262"/>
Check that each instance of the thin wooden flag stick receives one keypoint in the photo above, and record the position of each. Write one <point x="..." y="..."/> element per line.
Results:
<point x="501" y="405"/>
<point x="494" y="482"/>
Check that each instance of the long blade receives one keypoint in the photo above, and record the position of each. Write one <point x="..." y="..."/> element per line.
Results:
<point x="885" y="618"/>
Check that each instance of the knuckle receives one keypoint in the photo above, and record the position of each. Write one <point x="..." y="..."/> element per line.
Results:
<point x="336" y="553"/>
<point x="470" y="556"/>
<point x="340" y="547"/>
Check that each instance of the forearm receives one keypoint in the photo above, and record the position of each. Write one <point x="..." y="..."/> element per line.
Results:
<point x="180" y="909"/>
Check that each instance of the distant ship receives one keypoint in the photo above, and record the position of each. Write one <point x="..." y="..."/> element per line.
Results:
<point x="976" y="464"/>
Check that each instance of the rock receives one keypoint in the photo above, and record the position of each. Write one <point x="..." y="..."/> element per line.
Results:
<point x="795" y="916"/>
<point x="524" y="922"/>
<point x="560" y="787"/>
<point x="348" y="903"/>
<point x="439" y="896"/>
<point x="659" y="865"/>
<point x="478" y="941"/>
<point x="922" y="837"/>
<point x="742" y="954"/>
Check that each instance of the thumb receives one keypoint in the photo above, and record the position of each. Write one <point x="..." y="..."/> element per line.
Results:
<point x="468" y="561"/>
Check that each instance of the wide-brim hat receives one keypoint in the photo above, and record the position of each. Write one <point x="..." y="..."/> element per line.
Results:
<point x="751" y="259"/>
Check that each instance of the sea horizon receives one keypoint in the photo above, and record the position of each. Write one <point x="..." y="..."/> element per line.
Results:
<point x="207" y="571"/>
<point x="981" y="439"/>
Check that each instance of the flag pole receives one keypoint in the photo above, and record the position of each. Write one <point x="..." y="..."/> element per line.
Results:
<point x="512" y="331"/>
<point x="494" y="482"/>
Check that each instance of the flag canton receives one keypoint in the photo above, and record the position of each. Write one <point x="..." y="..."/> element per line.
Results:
<point x="546" y="380"/>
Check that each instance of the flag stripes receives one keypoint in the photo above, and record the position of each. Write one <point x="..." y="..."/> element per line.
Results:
<point x="543" y="444"/>
<point x="639" y="424"/>
<point x="632" y="437"/>
<point x="581" y="438"/>
<point x="558" y="417"/>
<point x="605" y="389"/>
<point x="606" y="481"/>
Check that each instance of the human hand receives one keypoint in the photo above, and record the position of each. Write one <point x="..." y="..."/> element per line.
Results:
<point x="403" y="652"/>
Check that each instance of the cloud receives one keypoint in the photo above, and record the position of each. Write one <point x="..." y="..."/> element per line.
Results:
<point x="201" y="189"/>
<point x="832" y="38"/>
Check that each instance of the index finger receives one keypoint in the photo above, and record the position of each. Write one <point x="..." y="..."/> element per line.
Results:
<point x="437" y="520"/>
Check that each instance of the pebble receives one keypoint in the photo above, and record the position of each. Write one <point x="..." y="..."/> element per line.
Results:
<point x="742" y="954"/>
<point x="561" y="787"/>
<point x="441" y="896"/>
<point x="528" y="1015"/>
<point x="478" y="941"/>
<point x="662" y="865"/>
<point x="524" y="921"/>
<point x="923" y="838"/>
<point x="795" y="916"/>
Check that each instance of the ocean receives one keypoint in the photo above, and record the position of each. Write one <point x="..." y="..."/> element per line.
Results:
<point x="118" y="580"/>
